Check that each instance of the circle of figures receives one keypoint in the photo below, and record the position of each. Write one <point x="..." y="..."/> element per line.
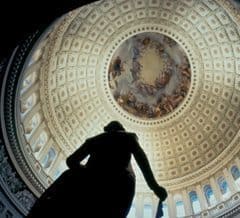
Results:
<point x="131" y="67"/>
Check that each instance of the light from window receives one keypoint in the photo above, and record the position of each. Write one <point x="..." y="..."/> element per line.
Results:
<point x="222" y="183"/>
<point x="194" y="202"/>
<point x="48" y="159"/>
<point x="165" y="211"/>
<point x="180" y="210"/>
<point x="147" y="211"/>
<point x="208" y="192"/>
<point x="236" y="175"/>
<point x="40" y="142"/>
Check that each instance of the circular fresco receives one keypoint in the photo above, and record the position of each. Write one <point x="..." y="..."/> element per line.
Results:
<point x="149" y="75"/>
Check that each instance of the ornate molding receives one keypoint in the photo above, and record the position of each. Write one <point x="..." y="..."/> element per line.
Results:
<point x="54" y="126"/>
<point x="12" y="183"/>
<point x="8" y="109"/>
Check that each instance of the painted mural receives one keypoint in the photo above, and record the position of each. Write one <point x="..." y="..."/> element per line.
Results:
<point x="149" y="75"/>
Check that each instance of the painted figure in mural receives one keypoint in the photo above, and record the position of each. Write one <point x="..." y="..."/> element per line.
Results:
<point x="157" y="75"/>
<point x="105" y="185"/>
<point x="117" y="66"/>
<point x="136" y="52"/>
<point x="135" y="70"/>
<point x="146" y="41"/>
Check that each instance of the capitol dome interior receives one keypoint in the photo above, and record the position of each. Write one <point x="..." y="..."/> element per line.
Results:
<point x="168" y="70"/>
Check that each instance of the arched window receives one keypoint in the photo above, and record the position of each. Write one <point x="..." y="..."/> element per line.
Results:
<point x="235" y="172"/>
<point x="180" y="210"/>
<point x="40" y="142"/>
<point x="132" y="212"/>
<point x="49" y="158"/>
<point x="165" y="211"/>
<point x="29" y="81"/>
<point x="208" y="192"/>
<point x="35" y="121"/>
<point x="194" y="202"/>
<point x="28" y="103"/>
<point x="33" y="124"/>
<point x="222" y="183"/>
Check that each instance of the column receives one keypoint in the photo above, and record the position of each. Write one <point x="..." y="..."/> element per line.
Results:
<point x="230" y="181"/>
<point x="187" y="203"/>
<point x="201" y="197"/>
<point x="171" y="206"/>
<point x="216" y="190"/>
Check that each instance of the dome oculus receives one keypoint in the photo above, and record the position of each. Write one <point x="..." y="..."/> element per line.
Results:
<point x="149" y="75"/>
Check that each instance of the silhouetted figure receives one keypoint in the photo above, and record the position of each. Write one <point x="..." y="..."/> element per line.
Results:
<point x="105" y="185"/>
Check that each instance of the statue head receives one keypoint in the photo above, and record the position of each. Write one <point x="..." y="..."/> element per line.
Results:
<point x="114" y="126"/>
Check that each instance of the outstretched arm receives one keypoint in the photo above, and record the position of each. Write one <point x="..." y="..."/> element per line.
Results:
<point x="73" y="161"/>
<point x="145" y="167"/>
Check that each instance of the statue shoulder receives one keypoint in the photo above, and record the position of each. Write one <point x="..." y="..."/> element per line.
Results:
<point x="132" y="135"/>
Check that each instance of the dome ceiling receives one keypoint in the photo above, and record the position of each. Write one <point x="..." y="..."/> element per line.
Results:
<point x="178" y="60"/>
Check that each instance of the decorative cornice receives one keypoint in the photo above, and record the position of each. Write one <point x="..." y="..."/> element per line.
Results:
<point x="8" y="121"/>
<point x="10" y="181"/>
<point x="232" y="213"/>
<point x="13" y="185"/>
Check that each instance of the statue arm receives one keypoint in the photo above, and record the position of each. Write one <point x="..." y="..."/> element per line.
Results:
<point x="73" y="161"/>
<point x="145" y="167"/>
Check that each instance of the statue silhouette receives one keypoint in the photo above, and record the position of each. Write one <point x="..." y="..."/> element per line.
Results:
<point x="105" y="185"/>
